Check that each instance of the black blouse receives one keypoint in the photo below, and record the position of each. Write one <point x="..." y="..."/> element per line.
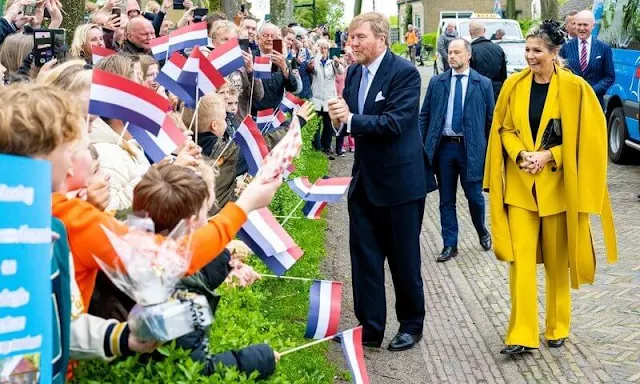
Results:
<point x="536" y="105"/>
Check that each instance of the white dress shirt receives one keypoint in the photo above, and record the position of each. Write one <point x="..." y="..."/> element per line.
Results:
<point x="588" y="49"/>
<point x="373" y="69"/>
<point x="448" y="130"/>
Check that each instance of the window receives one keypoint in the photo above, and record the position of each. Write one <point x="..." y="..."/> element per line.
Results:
<point x="418" y="22"/>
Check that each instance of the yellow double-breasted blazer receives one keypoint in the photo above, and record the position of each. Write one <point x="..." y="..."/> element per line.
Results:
<point x="575" y="184"/>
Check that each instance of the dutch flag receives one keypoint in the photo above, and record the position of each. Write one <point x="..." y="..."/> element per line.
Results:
<point x="301" y="186"/>
<point x="168" y="78"/>
<point x="279" y="119"/>
<point x="262" y="67"/>
<point x="164" y="144"/>
<point x="188" y="37"/>
<point x="252" y="144"/>
<point x="313" y="209"/>
<point x="330" y="190"/>
<point x="99" y="53"/>
<point x="160" y="47"/>
<point x="351" y="341"/>
<point x="281" y="262"/>
<point x="325" y="299"/>
<point x="264" y="117"/>
<point x="227" y="58"/>
<point x="209" y="79"/>
<point x="290" y="103"/>
<point x="116" y="97"/>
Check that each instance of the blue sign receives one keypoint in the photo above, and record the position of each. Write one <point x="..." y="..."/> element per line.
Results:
<point x="25" y="265"/>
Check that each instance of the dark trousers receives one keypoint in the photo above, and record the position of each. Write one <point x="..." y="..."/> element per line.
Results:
<point x="376" y="233"/>
<point x="325" y="133"/>
<point x="451" y="162"/>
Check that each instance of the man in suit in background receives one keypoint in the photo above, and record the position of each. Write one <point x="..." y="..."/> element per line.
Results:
<point x="487" y="57"/>
<point x="455" y="139"/>
<point x="589" y="57"/>
<point x="386" y="198"/>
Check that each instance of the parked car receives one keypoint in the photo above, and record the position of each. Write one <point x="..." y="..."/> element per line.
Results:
<point x="514" y="52"/>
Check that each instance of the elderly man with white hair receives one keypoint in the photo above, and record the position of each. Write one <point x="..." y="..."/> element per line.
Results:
<point x="443" y="43"/>
<point x="282" y="79"/>
<point x="589" y="57"/>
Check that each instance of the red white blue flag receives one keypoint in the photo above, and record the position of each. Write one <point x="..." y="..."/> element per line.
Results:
<point x="264" y="117"/>
<point x="330" y="190"/>
<point x="188" y="37"/>
<point x="279" y="119"/>
<point x="227" y="58"/>
<point x="252" y="144"/>
<point x="290" y="103"/>
<point x="168" y="78"/>
<point x="160" y="47"/>
<point x="262" y="67"/>
<point x="325" y="299"/>
<point x="281" y="262"/>
<point x="313" y="209"/>
<point x="209" y="79"/>
<point x="99" y="53"/>
<point x="354" y="355"/>
<point x="116" y="97"/>
<point x="301" y="186"/>
<point x="164" y="144"/>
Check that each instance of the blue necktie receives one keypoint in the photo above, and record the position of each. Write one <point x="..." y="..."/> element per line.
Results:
<point x="456" y="121"/>
<point x="362" y="91"/>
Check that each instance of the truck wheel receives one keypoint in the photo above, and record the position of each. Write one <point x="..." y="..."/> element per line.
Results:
<point x="619" y="153"/>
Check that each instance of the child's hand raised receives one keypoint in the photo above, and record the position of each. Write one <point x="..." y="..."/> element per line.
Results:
<point x="307" y="111"/>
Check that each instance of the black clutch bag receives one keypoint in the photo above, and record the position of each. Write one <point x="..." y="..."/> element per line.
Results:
<point x="552" y="135"/>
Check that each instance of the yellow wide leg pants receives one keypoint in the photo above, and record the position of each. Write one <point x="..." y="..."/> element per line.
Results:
<point x="531" y="234"/>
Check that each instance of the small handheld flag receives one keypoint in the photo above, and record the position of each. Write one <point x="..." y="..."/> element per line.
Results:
<point x="352" y="348"/>
<point x="99" y="53"/>
<point x="188" y="37"/>
<point x="330" y="190"/>
<point x="116" y="97"/>
<point x="158" y="147"/>
<point x="313" y="209"/>
<point x="290" y="103"/>
<point x="264" y="117"/>
<point x="227" y="58"/>
<point x="262" y="67"/>
<point x="325" y="299"/>
<point x="159" y="47"/>
<point x="169" y="75"/>
<point x="301" y="186"/>
<point x="252" y="144"/>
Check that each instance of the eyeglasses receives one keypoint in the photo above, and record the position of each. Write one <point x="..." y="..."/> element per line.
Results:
<point x="267" y="36"/>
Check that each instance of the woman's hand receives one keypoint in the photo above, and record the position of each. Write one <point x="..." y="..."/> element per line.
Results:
<point x="534" y="162"/>
<point x="307" y="111"/>
<point x="55" y="10"/>
<point x="248" y="61"/>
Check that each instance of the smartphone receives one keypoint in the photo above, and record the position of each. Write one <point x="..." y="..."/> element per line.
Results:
<point x="30" y="10"/>
<point x="244" y="44"/>
<point x="116" y="11"/>
<point x="199" y="14"/>
<point x="334" y="52"/>
<point x="178" y="4"/>
<point x="42" y="46"/>
<point x="277" y="45"/>
<point x="59" y="44"/>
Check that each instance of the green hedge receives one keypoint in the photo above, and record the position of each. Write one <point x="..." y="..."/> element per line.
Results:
<point x="525" y="25"/>
<point x="429" y="39"/>
<point x="271" y="311"/>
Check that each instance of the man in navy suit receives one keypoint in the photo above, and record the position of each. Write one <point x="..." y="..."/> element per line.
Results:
<point x="455" y="121"/>
<point x="589" y="57"/>
<point x="386" y="198"/>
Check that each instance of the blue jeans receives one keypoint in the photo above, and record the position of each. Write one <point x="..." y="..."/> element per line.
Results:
<point x="451" y="162"/>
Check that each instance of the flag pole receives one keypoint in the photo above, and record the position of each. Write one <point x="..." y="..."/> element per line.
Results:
<point x="295" y="278"/>
<point x="284" y="217"/>
<point x="292" y="212"/>
<point x="311" y="344"/>
<point x="196" y="112"/>
<point x="223" y="149"/>
<point x="124" y="131"/>
<point x="253" y="81"/>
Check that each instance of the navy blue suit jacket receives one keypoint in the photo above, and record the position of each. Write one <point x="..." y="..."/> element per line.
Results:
<point x="600" y="72"/>
<point x="476" y="120"/>
<point x="389" y="159"/>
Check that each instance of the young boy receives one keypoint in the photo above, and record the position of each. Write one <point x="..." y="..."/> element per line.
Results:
<point x="41" y="122"/>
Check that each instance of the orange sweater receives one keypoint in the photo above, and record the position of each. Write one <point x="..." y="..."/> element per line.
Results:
<point x="87" y="239"/>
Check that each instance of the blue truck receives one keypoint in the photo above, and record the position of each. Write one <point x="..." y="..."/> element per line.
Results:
<point x="618" y="23"/>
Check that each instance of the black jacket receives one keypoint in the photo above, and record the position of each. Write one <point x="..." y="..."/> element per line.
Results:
<point x="6" y="29"/>
<point x="274" y="89"/>
<point x="130" y="48"/>
<point x="489" y="60"/>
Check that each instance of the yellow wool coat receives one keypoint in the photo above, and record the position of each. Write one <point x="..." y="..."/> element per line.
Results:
<point x="576" y="184"/>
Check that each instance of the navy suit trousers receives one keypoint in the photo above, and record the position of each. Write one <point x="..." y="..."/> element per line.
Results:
<point x="451" y="162"/>
<point x="391" y="232"/>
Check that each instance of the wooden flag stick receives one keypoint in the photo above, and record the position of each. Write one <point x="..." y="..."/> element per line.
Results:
<point x="293" y="217"/>
<point x="124" y="131"/>
<point x="311" y="344"/>
<point x="294" y="278"/>
<point x="253" y="81"/>
<point x="292" y="212"/>
<point x="223" y="149"/>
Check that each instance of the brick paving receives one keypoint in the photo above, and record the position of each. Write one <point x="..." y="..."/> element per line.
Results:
<point x="468" y="305"/>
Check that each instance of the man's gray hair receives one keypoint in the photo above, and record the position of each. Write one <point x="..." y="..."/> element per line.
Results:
<point x="466" y="42"/>
<point x="269" y="25"/>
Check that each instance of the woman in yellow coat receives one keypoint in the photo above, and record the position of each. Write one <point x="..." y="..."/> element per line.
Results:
<point x="543" y="187"/>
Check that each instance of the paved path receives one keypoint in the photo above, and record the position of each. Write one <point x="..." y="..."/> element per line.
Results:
<point x="468" y="305"/>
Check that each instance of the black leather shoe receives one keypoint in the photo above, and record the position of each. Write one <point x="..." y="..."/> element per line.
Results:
<point x="485" y="241"/>
<point x="367" y="343"/>
<point x="556" y="343"/>
<point x="447" y="253"/>
<point x="515" y="349"/>
<point x="404" y="341"/>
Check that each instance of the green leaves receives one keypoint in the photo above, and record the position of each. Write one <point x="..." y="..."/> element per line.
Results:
<point x="271" y="311"/>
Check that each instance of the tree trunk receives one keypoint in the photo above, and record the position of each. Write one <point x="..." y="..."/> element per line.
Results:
<point x="73" y="17"/>
<point x="549" y="9"/>
<point x="511" y="9"/>
<point x="282" y="12"/>
<point x="357" y="8"/>
<point x="230" y="8"/>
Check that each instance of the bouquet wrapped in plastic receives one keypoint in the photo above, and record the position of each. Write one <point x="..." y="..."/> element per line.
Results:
<point x="148" y="269"/>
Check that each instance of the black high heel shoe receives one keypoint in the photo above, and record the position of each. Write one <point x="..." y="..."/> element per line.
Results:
<point x="556" y="343"/>
<point x="515" y="349"/>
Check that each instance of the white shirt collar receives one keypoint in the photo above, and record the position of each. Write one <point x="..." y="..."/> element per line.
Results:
<point x="373" y="67"/>
<point x="465" y="73"/>
<point x="588" y="40"/>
